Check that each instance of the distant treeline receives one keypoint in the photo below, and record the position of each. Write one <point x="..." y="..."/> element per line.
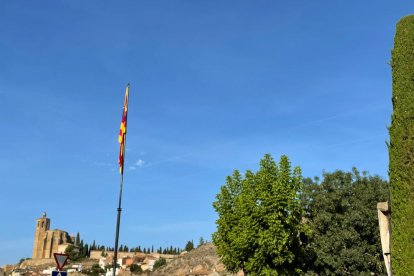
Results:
<point x="83" y="250"/>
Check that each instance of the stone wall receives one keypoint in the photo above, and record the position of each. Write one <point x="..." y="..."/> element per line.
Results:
<point x="97" y="254"/>
<point x="36" y="262"/>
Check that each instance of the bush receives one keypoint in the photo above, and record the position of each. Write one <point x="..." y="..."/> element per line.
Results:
<point x="160" y="262"/>
<point x="136" y="269"/>
<point x="95" y="270"/>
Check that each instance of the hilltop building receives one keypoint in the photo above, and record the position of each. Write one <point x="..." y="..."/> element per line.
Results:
<point x="47" y="242"/>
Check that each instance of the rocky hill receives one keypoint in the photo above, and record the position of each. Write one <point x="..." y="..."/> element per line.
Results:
<point x="200" y="261"/>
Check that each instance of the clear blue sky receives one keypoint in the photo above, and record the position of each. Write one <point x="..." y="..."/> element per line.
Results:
<point x="214" y="86"/>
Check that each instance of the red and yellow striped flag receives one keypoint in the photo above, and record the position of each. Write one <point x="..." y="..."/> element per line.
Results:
<point x="122" y="132"/>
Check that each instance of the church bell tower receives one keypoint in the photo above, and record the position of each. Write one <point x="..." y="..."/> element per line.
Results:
<point x="42" y="225"/>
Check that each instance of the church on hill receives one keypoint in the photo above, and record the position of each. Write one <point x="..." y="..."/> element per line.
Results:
<point x="47" y="242"/>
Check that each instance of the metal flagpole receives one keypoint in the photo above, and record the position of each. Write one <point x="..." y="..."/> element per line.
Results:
<point x="118" y="220"/>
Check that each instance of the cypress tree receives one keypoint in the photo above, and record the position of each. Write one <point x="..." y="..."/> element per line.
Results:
<point x="81" y="252"/>
<point x="77" y="241"/>
<point x="401" y="149"/>
<point x="85" y="250"/>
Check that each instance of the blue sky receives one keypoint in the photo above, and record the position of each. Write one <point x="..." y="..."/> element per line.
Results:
<point x="214" y="86"/>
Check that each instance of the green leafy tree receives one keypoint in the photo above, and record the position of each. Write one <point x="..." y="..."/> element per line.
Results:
<point x="135" y="269"/>
<point x="401" y="149"/>
<point x="158" y="263"/>
<point x="73" y="252"/>
<point x="259" y="226"/>
<point x="189" y="246"/>
<point x="342" y="217"/>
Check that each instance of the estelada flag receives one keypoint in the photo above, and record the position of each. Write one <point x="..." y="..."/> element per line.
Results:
<point x="122" y="132"/>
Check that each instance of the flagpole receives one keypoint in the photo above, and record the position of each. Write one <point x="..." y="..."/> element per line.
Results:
<point x="118" y="220"/>
<point x="121" y="181"/>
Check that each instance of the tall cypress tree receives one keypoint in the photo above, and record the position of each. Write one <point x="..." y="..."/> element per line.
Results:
<point x="85" y="250"/>
<point x="82" y="253"/>
<point x="77" y="241"/>
<point x="401" y="149"/>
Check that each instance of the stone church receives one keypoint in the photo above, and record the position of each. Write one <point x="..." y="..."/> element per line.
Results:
<point x="47" y="242"/>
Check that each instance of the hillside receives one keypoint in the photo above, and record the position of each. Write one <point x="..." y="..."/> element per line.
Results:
<point x="200" y="261"/>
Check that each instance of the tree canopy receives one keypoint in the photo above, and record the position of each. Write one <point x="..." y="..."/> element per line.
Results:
<point x="273" y="222"/>
<point x="342" y="216"/>
<point x="259" y="220"/>
<point x="73" y="252"/>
